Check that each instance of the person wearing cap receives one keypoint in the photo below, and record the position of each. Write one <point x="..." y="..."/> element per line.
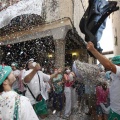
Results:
<point x="16" y="72"/>
<point x="35" y="79"/>
<point x="12" y="105"/>
<point x="114" y="67"/>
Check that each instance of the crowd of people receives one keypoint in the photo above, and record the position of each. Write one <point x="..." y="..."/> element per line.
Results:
<point x="28" y="93"/>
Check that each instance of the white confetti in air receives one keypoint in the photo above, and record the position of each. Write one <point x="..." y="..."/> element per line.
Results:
<point x="20" y="8"/>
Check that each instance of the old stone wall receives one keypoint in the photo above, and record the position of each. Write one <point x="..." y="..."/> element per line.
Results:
<point x="116" y="30"/>
<point x="57" y="9"/>
<point x="79" y="8"/>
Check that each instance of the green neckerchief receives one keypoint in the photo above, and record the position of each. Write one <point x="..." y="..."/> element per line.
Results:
<point x="113" y="115"/>
<point x="16" y="108"/>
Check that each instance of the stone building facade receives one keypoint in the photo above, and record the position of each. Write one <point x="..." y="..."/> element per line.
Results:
<point x="116" y="31"/>
<point x="60" y="16"/>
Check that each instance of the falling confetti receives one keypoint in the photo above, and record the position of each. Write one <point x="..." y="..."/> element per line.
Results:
<point x="88" y="72"/>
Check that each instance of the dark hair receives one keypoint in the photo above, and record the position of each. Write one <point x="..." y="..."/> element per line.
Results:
<point x="26" y="67"/>
<point x="66" y="68"/>
<point x="1" y="88"/>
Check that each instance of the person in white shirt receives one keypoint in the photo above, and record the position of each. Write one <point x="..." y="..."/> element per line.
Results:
<point x="21" y="87"/>
<point x="35" y="80"/>
<point x="12" y="105"/>
<point x="16" y="72"/>
<point x="114" y="67"/>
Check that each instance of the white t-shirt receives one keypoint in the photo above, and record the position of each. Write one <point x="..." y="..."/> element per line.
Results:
<point x="115" y="91"/>
<point x="22" y="74"/>
<point x="34" y="85"/>
<point x="7" y="105"/>
<point x="16" y="73"/>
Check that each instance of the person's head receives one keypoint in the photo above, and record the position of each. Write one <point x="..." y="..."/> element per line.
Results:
<point x="55" y="70"/>
<point x="7" y="77"/>
<point x="67" y="70"/>
<point x="14" y="66"/>
<point x="104" y="85"/>
<point x="29" y="63"/>
<point x="116" y="60"/>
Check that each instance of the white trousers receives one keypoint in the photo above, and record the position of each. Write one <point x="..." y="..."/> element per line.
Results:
<point x="70" y="100"/>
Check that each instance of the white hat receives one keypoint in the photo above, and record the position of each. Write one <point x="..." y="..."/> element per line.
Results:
<point x="31" y="59"/>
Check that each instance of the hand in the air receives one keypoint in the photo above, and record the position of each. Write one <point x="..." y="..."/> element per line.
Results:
<point x="37" y="67"/>
<point x="60" y="70"/>
<point x="90" y="46"/>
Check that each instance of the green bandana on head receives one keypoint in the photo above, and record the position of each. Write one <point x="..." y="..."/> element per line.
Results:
<point x="4" y="72"/>
<point x="116" y="60"/>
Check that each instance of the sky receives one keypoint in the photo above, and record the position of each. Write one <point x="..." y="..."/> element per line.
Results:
<point x="106" y="41"/>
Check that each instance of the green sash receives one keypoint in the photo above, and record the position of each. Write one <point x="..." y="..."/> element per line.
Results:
<point x="16" y="108"/>
<point x="113" y="116"/>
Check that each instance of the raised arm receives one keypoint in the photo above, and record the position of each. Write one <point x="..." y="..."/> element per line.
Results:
<point x="102" y="59"/>
<point x="29" y="77"/>
<point x="54" y="74"/>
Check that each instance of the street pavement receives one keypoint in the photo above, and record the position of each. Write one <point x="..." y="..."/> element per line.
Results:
<point x="76" y="115"/>
<point x="72" y="117"/>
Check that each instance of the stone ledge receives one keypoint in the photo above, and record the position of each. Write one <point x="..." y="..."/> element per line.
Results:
<point x="57" y="29"/>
